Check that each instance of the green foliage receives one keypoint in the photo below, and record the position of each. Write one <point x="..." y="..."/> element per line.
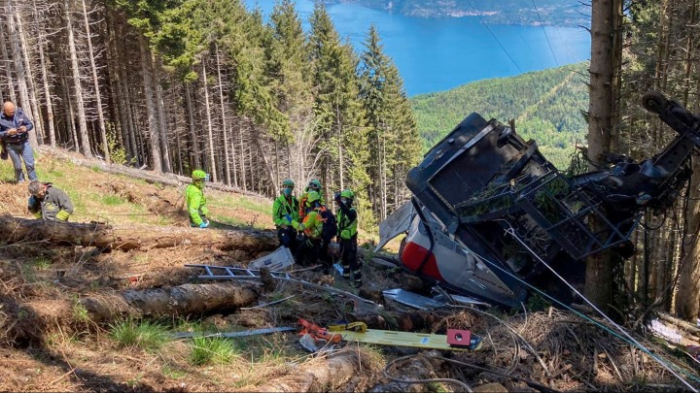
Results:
<point x="111" y="200"/>
<point x="392" y="133"/>
<point x="116" y="150"/>
<point x="545" y="104"/>
<point x="537" y="303"/>
<point x="80" y="313"/>
<point x="212" y="351"/>
<point x="147" y="335"/>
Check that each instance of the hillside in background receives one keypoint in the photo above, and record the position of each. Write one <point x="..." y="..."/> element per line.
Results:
<point x="570" y="13"/>
<point x="546" y="106"/>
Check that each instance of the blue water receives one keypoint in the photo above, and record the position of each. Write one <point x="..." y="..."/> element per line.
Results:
<point x="435" y="54"/>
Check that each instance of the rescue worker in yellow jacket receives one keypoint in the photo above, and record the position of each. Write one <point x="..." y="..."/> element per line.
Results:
<point x="48" y="202"/>
<point x="196" y="202"/>
<point x="308" y="250"/>
<point x="314" y="185"/>
<point x="347" y="236"/>
<point x="285" y="215"/>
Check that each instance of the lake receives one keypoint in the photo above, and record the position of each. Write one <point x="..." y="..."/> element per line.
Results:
<point x="435" y="54"/>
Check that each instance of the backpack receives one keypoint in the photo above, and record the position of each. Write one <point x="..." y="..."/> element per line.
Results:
<point x="330" y="225"/>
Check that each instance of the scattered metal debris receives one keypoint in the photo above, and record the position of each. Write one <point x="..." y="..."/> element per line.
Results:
<point x="275" y="261"/>
<point x="412" y="300"/>
<point x="246" y="333"/>
<point x="245" y="274"/>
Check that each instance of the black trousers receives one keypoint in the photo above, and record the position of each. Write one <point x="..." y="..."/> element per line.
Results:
<point x="348" y="255"/>
<point x="308" y="251"/>
<point x="287" y="238"/>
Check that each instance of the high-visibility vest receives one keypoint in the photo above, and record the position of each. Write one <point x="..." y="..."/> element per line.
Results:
<point x="347" y="228"/>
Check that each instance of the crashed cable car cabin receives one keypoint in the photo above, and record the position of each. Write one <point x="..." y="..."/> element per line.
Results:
<point x="488" y="208"/>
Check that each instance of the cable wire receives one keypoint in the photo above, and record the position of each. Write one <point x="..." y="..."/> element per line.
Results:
<point x="628" y="338"/>
<point x="494" y="36"/>
<point x="544" y="31"/>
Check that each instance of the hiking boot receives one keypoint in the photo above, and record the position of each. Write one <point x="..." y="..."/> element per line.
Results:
<point x="3" y="154"/>
<point x="357" y="279"/>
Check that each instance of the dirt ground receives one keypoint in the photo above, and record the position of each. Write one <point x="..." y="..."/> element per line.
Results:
<point x="57" y="353"/>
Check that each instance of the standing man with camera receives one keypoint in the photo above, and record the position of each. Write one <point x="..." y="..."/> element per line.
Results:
<point x="14" y="131"/>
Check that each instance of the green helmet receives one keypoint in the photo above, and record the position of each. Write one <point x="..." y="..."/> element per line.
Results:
<point x="199" y="175"/>
<point x="347" y="194"/>
<point x="312" y="197"/>
<point x="315" y="184"/>
<point x="288" y="183"/>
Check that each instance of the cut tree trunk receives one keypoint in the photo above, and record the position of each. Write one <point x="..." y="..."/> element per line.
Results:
<point x="183" y="300"/>
<point x="402" y="321"/>
<point x="420" y="367"/>
<point x="319" y="374"/>
<point x="179" y="301"/>
<point x="133" y="237"/>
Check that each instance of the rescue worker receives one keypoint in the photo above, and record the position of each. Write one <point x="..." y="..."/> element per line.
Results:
<point x="195" y="200"/>
<point x="14" y="131"/>
<point x="285" y="215"/>
<point x="314" y="185"/>
<point x="48" y="202"/>
<point x="309" y="248"/>
<point x="347" y="236"/>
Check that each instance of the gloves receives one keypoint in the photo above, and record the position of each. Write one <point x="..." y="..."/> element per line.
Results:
<point x="288" y="218"/>
<point x="204" y="224"/>
<point x="62" y="215"/>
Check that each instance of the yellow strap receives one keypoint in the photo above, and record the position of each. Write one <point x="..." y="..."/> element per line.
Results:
<point x="354" y="326"/>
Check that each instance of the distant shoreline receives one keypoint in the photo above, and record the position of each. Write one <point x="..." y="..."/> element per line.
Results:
<point x="555" y="16"/>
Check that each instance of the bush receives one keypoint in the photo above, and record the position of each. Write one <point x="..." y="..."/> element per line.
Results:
<point x="146" y="335"/>
<point x="212" y="351"/>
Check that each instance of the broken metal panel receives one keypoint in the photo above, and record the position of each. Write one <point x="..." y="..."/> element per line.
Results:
<point x="396" y="224"/>
<point x="411" y="299"/>
<point x="274" y="261"/>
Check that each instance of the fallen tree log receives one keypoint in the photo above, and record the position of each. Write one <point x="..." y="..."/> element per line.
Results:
<point x="403" y="321"/>
<point x="416" y="368"/>
<point x="16" y="229"/>
<point x="182" y="300"/>
<point x="319" y="374"/>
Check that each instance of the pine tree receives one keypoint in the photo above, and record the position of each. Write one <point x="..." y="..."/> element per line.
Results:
<point x="393" y="138"/>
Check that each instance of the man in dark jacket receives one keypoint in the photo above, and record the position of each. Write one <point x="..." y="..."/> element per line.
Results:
<point x="14" y="131"/>
<point x="48" y="202"/>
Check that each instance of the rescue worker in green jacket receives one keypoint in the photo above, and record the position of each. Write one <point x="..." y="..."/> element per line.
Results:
<point x="314" y="185"/>
<point x="285" y="215"/>
<point x="195" y="200"/>
<point x="48" y="202"/>
<point x="347" y="236"/>
<point x="309" y="248"/>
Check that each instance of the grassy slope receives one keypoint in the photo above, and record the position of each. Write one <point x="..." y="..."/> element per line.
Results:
<point x="547" y="107"/>
<point x="95" y="199"/>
